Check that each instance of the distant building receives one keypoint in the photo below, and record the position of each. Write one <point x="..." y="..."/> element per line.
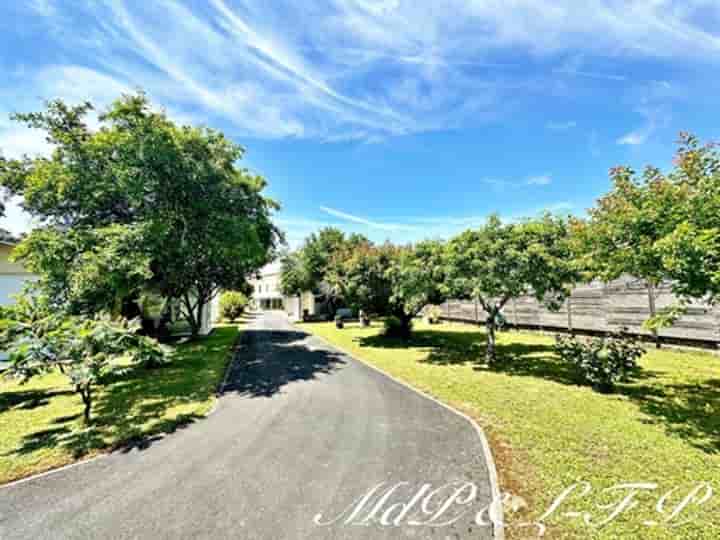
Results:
<point x="13" y="275"/>
<point x="266" y="295"/>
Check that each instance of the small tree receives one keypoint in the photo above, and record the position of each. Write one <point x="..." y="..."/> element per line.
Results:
<point x="416" y="275"/>
<point x="317" y="265"/>
<point x="232" y="305"/>
<point x="39" y="340"/>
<point x="623" y="233"/>
<point x="498" y="262"/>
<point x="360" y="272"/>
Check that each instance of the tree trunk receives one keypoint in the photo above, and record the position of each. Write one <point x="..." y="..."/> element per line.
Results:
<point x="406" y="327"/>
<point x="192" y="316"/>
<point x="653" y="311"/>
<point x="86" y="395"/>
<point x="490" y="325"/>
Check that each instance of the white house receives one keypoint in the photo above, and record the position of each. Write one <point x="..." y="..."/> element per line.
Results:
<point x="267" y="295"/>
<point x="13" y="275"/>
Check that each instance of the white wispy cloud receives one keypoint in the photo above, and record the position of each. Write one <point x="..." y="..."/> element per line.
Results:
<point x="407" y="229"/>
<point x="655" y="118"/>
<point x="540" y="180"/>
<point x="536" y="180"/>
<point x="384" y="226"/>
<point x="312" y="68"/>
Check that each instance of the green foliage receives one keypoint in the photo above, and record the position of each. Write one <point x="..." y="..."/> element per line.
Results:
<point x="232" y="305"/>
<point x="360" y="272"/>
<point x="39" y="339"/>
<point x="660" y="226"/>
<point x="601" y="361"/>
<point x="416" y="275"/>
<point x="139" y="204"/>
<point x="498" y="262"/>
<point x="396" y="328"/>
<point x="665" y="317"/>
<point x="294" y="274"/>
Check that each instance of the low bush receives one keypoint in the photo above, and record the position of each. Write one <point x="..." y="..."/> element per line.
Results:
<point x="394" y="327"/>
<point x="601" y="361"/>
<point x="232" y="305"/>
<point x="433" y="314"/>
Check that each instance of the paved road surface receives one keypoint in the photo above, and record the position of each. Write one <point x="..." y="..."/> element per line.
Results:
<point x="301" y="429"/>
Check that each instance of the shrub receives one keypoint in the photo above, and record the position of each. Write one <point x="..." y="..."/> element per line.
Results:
<point x="601" y="361"/>
<point x="232" y="305"/>
<point x="433" y="314"/>
<point x="39" y="340"/>
<point x="394" y="327"/>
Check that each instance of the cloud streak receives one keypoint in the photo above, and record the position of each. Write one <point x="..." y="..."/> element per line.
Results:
<point x="338" y="70"/>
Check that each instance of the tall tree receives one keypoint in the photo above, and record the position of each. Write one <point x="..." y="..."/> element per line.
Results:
<point x="629" y="230"/>
<point x="498" y="262"/>
<point x="360" y="272"/>
<point x="139" y="203"/>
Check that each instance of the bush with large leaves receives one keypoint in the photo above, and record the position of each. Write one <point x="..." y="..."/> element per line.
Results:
<point x="39" y="339"/>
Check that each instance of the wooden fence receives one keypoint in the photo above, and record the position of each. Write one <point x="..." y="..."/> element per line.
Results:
<point x="601" y="307"/>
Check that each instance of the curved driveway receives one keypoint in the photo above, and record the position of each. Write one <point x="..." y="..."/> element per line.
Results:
<point x="300" y="430"/>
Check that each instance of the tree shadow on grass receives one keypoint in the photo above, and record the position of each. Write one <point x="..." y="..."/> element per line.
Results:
<point x="28" y="399"/>
<point x="134" y="406"/>
<point x="446" y="347"/>
<point x="686" y="411"/>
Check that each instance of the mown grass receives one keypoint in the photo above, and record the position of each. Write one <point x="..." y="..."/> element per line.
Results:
<point x="41" y="424"/>
<point x="549" y="431"/>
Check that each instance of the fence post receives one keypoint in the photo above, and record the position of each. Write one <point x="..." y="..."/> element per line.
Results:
<point x="569" y="315"/>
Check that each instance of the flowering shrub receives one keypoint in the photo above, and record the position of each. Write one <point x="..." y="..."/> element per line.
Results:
<point x="602" y="361"/>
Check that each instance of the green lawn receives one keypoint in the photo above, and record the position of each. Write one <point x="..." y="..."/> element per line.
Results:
<point x="41" y="422"/>
<point x="549" y="431"/>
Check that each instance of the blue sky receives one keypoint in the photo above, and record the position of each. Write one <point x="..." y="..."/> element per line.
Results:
<point x="398" y="119"/>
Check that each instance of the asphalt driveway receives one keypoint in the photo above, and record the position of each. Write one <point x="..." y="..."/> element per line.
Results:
<point x="301" y="435"/>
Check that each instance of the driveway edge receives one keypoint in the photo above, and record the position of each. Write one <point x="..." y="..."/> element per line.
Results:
<point x="105" y="453"/>
<point x="498" y="529"/>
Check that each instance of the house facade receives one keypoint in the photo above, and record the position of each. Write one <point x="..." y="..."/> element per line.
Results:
<point x="267" y="296"/>
<point x="13" y="275"/>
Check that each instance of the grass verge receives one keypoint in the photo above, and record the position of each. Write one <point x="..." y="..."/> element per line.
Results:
<point x="549" y="431"/>
<point x="41" y="425"/>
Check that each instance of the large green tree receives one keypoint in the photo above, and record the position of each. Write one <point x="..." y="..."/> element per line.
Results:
<point x="361" y="274"/>
<point x="416" y="275"/>
<point x="138" y="203"/>
<point x="623" y="232"/>
<point x="501" y="261"/>
<point x="317" y="265"/>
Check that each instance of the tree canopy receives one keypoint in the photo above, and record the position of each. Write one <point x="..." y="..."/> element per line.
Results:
<point x="501" y="261"/>
<point x="138" y="203"/>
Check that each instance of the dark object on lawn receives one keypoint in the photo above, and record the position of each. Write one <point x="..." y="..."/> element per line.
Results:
<point x="339" y="322"/>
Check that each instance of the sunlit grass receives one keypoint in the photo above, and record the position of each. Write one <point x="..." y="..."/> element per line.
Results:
<point x="548" y="430"/>
<point x="41" y="423"/>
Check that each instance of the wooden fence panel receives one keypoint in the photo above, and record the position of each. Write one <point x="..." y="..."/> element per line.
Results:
<point x="600" y="307"/>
